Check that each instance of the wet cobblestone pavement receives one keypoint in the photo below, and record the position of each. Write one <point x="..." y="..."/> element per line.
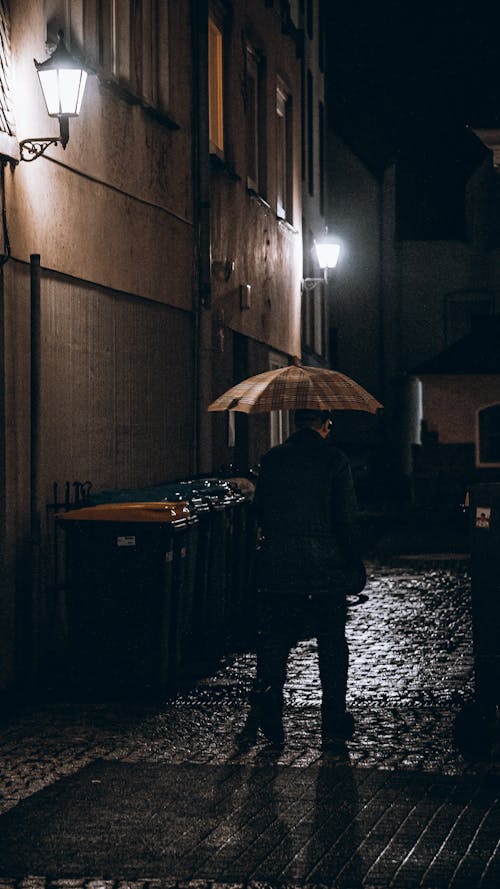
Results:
<point x="89" y="795"/>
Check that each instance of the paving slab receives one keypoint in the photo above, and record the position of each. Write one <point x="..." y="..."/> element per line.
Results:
<point x="122" y="794"/>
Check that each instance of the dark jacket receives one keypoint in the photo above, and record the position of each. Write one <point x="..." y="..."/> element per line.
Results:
<point x="306" y="508"/>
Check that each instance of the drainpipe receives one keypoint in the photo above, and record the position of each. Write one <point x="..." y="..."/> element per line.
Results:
<point x="34" y="446"/>
<point x="201" y="178"/>
<point x="381" y="281"/>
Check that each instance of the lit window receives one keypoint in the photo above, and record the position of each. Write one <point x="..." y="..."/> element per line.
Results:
<point x="215" y="88"/>
<point x="283" y="153"/>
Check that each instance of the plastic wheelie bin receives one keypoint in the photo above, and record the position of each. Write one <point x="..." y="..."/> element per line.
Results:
<point x="477" y="725"/>
<point x="484" y="504"/>
<point x="186" y="570"/>
<point x="221" y="500"/>
<point x="124" y="564"/>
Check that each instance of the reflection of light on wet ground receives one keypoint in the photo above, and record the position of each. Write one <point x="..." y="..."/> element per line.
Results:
<point x="410" y="672"/>
<point x="410" y="643"/>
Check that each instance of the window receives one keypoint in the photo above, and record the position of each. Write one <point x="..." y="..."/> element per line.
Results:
<point x="310" y="19"/>
<point x="321" y="35"/>
<point x="322" y="163"/>
<point x="310" y="133"/>
<point x="279" y="420"/>
<point x="132" y="46"/>
<point x="255" y="119"/>
<point x="314" y="327"/>
<point x="215" y="88"/>
<point x="283" y="153"/>
<point x="488" y="436"/>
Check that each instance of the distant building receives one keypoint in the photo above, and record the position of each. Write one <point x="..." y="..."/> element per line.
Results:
<point x="415" y="200"/>
<point x="457" y="399"/>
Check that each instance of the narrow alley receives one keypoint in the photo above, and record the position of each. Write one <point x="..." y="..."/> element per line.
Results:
<point x="107" y="794"/>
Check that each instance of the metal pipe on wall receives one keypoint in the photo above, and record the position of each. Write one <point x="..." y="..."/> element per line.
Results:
<point x="202" y="310"/>
<point x="35" y="365"/>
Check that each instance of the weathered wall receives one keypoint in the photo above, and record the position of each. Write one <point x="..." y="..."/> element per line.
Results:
<point x="245" y="229"/>
<point x="116" y="206"/>
<point x="266" y="251"/>
<point x="115" y="399"/>
<point x="450" y="404"/>
<point x="112" y="220"/>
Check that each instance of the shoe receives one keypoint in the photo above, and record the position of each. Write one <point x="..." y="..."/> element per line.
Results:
<point x="338" y="729"/>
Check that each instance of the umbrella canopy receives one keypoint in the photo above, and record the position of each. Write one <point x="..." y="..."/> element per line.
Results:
<point x="289" y="388"/>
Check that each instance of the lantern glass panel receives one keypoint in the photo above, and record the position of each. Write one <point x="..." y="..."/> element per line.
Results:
<point x="327" y="253"/>
<point x="63" y="90"/>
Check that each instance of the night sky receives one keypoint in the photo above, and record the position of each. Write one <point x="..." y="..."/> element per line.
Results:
<point x="408" y="58"/>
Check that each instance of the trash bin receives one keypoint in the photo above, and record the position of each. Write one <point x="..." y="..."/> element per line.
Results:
<point x="477" y="724"/>
<point x="209" y="500"/>
<point x="212" y="571"/>
<point x="484" y="505"/>
<point x="214" y="501"/>
<point x="243" y="601"/>
<point x="183" y="643"/>
<point x="124" y="562"/>
<point x="185" y="570"/>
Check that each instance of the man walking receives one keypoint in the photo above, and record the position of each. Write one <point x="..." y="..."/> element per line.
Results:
<point x="308" y="562"/>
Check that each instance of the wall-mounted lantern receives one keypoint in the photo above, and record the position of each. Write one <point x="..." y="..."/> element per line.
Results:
<point x="327" y="250"/>
<point x="62" y="79"/>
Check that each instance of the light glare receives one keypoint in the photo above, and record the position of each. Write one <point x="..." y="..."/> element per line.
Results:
<point x="327" y="253"/>
<point x="63" y="90"/>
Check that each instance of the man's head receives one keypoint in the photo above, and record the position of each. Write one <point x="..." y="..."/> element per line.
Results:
<point x="320" y="421"/>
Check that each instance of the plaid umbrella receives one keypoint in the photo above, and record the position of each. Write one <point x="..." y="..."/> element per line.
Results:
<point x="289" y="388"/>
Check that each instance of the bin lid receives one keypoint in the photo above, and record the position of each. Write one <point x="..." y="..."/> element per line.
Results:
<point x="158" y="512"/>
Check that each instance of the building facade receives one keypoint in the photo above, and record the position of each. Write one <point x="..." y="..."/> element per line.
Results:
<point x="417" y="213"/>
<point x="146" y="267"/>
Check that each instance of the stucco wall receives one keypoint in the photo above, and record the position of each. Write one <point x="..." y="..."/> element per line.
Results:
<point x="114" y="207"/>
<point x="115" y="407"/>
<point x="267" y="253"/>
<point x="450" y="404"/>
<point x="355" y="285"/>
<point x="112" y="220"/>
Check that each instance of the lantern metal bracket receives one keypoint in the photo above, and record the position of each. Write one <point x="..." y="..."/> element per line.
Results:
<point x="311" y="283"/>
<point x="30" y="149"/>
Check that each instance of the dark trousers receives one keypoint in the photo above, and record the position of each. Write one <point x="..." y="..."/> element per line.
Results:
<point x="284" y="620"/>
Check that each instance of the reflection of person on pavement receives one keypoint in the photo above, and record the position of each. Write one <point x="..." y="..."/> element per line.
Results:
<point x="308" y="562"/>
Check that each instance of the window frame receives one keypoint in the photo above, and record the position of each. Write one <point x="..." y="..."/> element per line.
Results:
<point x="279" y="421"/>
<point x="216" y="85"/>
<point x="255" y="75"/>
<point x="132" y="48"/>
<point x="284" y="152"/>
<point x="480" y="463"/>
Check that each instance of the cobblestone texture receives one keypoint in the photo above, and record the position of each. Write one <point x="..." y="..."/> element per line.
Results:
<point x="411" y="672"/>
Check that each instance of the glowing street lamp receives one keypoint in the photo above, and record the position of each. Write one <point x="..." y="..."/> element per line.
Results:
<point x="327" y="250"/>
<point x="62" y="79"/>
